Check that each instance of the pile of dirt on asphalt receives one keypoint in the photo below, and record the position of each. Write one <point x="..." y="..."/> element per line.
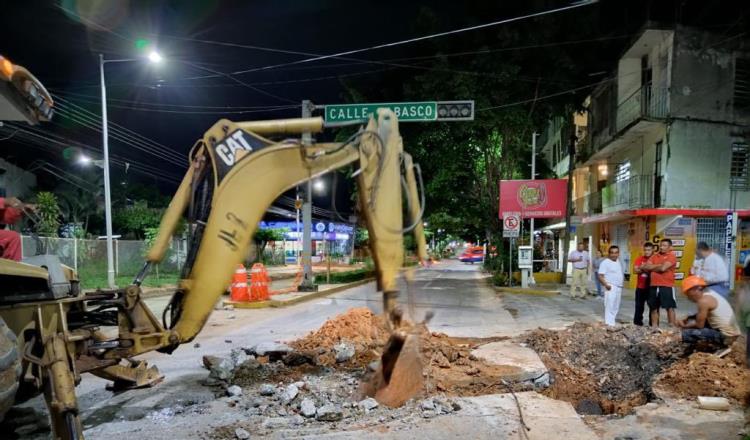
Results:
<point x="704" y="374"/>
<point x="448" y="364"/>
<point x="605" y="369"/>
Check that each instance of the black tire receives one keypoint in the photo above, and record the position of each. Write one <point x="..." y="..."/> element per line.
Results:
<point x="10" y="368"/>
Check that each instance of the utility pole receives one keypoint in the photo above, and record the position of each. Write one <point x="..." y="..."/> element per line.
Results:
<point x="308" y="278"/>
<point x="107" y="196"/>
<point x="569" y="205"/>
<point x="531" y="221"/>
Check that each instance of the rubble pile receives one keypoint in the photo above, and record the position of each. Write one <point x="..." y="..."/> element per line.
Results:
<point x="704" y="374"/>
<point x="604" y="370"/>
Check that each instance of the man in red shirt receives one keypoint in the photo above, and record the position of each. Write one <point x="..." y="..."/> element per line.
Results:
<point x="661" y="267"/>
<point x="642" y="286"/>
<point x="10" y="241"/>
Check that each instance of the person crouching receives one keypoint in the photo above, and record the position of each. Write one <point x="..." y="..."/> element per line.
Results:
<point x="714" y="322"/>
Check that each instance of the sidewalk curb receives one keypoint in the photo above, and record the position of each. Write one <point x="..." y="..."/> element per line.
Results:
<point x="527" y="291"/>
<point x="314" y="295"/>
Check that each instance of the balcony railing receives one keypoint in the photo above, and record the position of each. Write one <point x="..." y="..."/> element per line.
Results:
<point x="647" y="102"/>
<point x="632" y="193"/>
<point x="589" y="204"/>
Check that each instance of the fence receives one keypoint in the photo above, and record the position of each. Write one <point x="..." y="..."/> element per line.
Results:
<point x="89" y="257"/>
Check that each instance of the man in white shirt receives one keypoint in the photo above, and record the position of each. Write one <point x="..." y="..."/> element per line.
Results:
<point x="612" y="277"/>
<point x="580" y="259"/>
<point x="712" y="268"/>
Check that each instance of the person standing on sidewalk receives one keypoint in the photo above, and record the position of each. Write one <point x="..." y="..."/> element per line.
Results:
<point x="711" y="267"/>
<point x="642" y="286"/>
<point x="612" y="277"/>
<point x="595" y="265"/>
<point x="580" y="259"/>
<point x="661" y="268"/>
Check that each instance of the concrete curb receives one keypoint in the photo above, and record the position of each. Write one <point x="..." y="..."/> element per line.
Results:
<point x="527" y="291"/>
<point x="312" y="295"/>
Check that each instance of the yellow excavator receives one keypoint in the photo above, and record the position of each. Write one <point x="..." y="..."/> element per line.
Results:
<point x="51" y="333"/>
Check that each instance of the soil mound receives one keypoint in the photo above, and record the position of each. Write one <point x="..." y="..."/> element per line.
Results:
<point x="704" y="374"/>
<point x="358" y="326"/>
<point x="604" y="369"/>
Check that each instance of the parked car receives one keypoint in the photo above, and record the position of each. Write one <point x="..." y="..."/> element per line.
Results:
<point x="472" y="255"/>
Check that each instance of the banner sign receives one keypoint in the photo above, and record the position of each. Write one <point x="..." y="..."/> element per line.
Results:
<point x="534" y="198"/>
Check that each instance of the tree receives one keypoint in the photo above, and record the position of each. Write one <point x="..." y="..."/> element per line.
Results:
<point x="49" y="214"/>
<point x="77" y="205"/>
<point x="263" y="236"/>
<point x="136" y="220"/>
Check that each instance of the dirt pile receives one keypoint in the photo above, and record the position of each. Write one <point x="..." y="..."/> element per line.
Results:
<point x="603" y="369"/>
<point x="448" y="364"/>
<point x="704" y="374"/>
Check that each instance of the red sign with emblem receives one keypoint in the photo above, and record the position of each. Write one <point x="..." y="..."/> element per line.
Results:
<point x="534" y="198"/>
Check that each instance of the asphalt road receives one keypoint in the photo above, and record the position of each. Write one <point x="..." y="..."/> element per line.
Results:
<point x="462" y="301"/>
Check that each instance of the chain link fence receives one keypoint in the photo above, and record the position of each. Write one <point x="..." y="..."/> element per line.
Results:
<point x="89" y="257"/>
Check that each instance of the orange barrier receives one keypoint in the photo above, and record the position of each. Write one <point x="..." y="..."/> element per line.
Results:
<point x="239" y="284"/>
<point x="259" y="283"/>
<point x="295" y="284"/>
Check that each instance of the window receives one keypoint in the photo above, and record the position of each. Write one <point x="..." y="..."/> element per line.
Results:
<point x="713" y="231"/>
<point x="622" y="172"/>
<point x="742" y="84"/>
<point x="739" y="177"/>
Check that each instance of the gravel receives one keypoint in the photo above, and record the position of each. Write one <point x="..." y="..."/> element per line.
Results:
<point x="307" y="408"/>
<point x="368" y="404"/>
<point x="267" y="389"/>
<point x="329" y="413"/>
<point x="289" y="394"/>
<point x="241" y="434"/>
<point x="344" y="351"/>
<point x="234" y="390"/>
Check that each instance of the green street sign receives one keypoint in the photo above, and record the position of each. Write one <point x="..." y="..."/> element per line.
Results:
<point x="405" y="111"/>
<point x="344" y="114"/>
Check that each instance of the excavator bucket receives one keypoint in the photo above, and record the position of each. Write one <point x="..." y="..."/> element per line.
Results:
<point x="398" y="378"/>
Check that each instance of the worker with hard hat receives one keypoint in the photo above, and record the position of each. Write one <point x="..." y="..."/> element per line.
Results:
<point x="715" y="321"/>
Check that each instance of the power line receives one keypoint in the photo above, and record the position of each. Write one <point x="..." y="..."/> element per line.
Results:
<point x="526" y="101"/>
<point x="422" y="38"/>
<point x="164" y="104"/>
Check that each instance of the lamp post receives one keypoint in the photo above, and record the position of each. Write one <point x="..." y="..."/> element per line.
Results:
<point x="153" y="57"/>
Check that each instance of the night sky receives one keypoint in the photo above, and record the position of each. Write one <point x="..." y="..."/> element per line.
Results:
<point x="170" y="105"/>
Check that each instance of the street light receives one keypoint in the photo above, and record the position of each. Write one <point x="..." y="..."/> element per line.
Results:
<point x="154" y="58"/>
<point x="319" y="185"/>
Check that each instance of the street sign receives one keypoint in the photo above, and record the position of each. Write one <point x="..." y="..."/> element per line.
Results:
<point x="511" y="225"/>
<point x="405" y="111"/>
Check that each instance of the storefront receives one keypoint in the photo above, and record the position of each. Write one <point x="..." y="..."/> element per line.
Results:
<point x="684" y="227"/>
<point x="332" y="238"/>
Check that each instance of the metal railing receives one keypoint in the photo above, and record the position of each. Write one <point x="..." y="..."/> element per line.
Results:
<point x="648" y="101"/>
<point x="589" y="204"/>
<point x="632" y="193"/>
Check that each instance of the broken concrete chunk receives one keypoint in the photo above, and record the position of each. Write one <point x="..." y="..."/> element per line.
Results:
<point x="297" y="420"/>
<point x="542" y="381"/>
<point x="275" y="423"/>
<point x="368" y="404"/>
<point x="295" y="359"/>
<point x="427" y="405"/>
<point x="234" y="390"/>
<point x="373" y="366"/>
<point x="271" y="349"/>
<point x="267" y="389"/>
<point x="344" y="351"/>
<point x="307" y="408"/>
<point x="238" y="356"/>
<point x="329" y="413"/>
<point x="229" y="307"/>
<point x="289" y="394"/>
<point x="241" y="434"/>
<point x="222" y="370"/>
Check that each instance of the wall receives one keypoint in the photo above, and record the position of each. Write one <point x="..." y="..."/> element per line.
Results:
<point x="702" y="78"/>
<point x="698" y="165"/>
<point x="15" y="181"/>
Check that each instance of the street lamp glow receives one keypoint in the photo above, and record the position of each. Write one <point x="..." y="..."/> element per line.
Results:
<point x="155" y="57"/>
<point x="84" y="160"/>
<point x="319" y="185"/>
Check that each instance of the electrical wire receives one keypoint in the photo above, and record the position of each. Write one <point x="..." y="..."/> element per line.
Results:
<point x="116" y="126"/>
<point x="74" y="95"/>
<point x="421" y="38"/>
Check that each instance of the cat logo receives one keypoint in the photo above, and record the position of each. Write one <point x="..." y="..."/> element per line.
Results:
<point x="228" y="147"/>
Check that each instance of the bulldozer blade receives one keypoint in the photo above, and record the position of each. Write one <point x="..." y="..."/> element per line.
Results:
<point x="399" y="376"/>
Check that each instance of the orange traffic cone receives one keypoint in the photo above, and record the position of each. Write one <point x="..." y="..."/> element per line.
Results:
<point x="239" y="284"/>
<point x="258" y="282"/>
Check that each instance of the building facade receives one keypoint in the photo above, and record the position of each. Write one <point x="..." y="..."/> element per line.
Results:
<point x="666" y="152"/>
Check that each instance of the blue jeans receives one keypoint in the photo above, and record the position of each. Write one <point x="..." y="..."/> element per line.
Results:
<point x="598" y="284"/>
<point x="693" y="335"/>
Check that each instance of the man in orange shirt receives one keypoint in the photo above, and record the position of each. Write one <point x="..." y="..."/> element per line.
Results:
<point x="661" y="267"/>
